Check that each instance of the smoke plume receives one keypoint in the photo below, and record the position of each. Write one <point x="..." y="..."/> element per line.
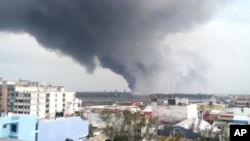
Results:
<point x="123" y="34"/>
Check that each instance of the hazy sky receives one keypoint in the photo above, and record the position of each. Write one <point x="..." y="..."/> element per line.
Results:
<point x="220" y="47"/>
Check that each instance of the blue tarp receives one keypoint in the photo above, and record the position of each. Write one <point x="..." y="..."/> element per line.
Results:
<point x="240" y="121"/>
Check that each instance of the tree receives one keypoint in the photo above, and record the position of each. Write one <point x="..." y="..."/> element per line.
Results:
<point x="211" y="104"/>
<point x="127" y="126"/>
<point x="91" y="132"/>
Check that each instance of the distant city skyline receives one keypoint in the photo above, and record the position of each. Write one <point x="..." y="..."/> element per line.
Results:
<point x="213" y="55"/>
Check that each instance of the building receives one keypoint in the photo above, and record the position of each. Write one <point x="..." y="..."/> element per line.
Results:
<point x="239" y="111"/>
<point x="26" y="97"/>
<point x="191" y="128"/>
<point x="21" y="127"/>
<point x="29" y="128"/>
<point x="8" y="139"/>
<point x="176" y="101"/>
<point x="171" y="113"/>
<point x="242" y="103"/>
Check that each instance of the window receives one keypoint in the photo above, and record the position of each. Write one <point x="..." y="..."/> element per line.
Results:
<point x="4" y="126"/>
<point x="27" y="95"/>
<point x="36" y="126"/>
<point x="36" y="137"/>
<point x="13" y="128"/>
<point x="21" y="107"/>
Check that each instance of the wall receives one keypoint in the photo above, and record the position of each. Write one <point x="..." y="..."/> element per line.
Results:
<point x="25" y="129"/>
<point x="4" y="98"/>
<point x="237" y="111"/>
<point x="192" y="111"/>
<point x="60" y="129"/>
<point x="169" y="113"/>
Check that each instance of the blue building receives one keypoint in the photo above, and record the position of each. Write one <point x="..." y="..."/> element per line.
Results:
<point x="22" y="127"/>
<point x="28" y="128"/>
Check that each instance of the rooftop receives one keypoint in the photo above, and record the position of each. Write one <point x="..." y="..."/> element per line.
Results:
<point x="9" y="139"/>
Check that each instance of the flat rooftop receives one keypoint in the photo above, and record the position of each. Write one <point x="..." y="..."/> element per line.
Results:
<point x="9" y="139"/>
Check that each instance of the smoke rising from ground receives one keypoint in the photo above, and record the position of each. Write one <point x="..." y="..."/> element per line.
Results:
<point x="124" y="35"/>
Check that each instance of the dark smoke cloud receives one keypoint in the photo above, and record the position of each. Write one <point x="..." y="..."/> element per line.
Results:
<point x="122" y="34"/>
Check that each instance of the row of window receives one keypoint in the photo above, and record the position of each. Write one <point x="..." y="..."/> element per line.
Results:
<point x="16" y="94"/>
<point x="22" y="101"/>
<point x="22" y="107"/>
<point x="21" y="112"/>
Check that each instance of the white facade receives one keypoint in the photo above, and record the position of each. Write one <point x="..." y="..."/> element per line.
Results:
<point x="25" y="97"/>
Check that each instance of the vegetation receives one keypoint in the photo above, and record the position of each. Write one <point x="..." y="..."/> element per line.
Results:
<point x="197" y="134"/>
<point x="127" y="126"/>
<point x="91" y="130"/>
<point x="210" y="106"/>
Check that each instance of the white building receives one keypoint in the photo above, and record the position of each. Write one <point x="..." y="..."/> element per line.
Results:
<point x="26" y="97"/>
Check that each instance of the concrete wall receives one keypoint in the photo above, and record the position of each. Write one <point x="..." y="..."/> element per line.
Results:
<point x="4" y="97"/>
<point x="60" y="129"/>
<point x="27" y="127"/>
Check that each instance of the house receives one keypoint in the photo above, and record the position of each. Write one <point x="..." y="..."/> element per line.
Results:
<point x="190" y="128"/>
<point x="196" y="124"/>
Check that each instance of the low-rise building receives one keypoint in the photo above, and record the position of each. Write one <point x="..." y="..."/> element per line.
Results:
<point x="30" y="128"/>
<point x="22" y="127"/>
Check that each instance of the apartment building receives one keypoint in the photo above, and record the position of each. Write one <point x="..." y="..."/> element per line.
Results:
<point x="26" y="97"/>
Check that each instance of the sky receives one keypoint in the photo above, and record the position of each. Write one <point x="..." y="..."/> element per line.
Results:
<point x="218" y="48"/>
